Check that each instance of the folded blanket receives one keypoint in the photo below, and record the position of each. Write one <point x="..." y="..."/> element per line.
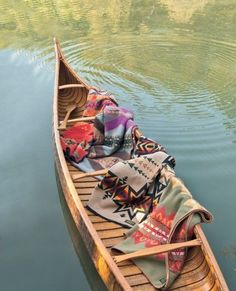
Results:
<point x="113" y="139"/>
<point x="145" y="146"/>
<point x="76" y="141"/>
<point x="172" y="220"/>
<point x="110" y="140"/>
<point x="113" y="131"/>
<point x="96" y="102"/>
<point x="129" y="189"/>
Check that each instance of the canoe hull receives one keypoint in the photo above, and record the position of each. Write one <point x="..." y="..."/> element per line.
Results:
<point x="93" y="249"/>
<point x="201" y="271"/>
<point x="101" y="258"/>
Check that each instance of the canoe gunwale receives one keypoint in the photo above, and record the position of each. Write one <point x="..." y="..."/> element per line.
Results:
<point x="210" y="258"/>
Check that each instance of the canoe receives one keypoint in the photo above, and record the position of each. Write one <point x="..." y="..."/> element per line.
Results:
<point x="201" y="270"/>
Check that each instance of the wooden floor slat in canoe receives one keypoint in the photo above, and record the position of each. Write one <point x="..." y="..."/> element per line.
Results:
<point x="105" y="226"/>
<point x="135" y="280"/>
<point x="129" y="270"/>
<point x="85" y="197"/>
<point x="112" y="241"/>
<point x="85" y="184"/>
<point x="144" y="287"/>
<point x="111" y="233"/>
<point x="82" y="191"/>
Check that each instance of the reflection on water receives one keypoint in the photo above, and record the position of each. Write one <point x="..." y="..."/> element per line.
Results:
<point x="183" y="10"/>
<point x="173" y="62"/>
<point x="229" y="251"/>
<point x="94" y="279"/>
<point x="21" y="22"/>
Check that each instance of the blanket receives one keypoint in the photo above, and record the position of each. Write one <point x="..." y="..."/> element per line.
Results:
<point x="172" y="220"/>
<point x="113" y="139"/>
<point x="96" y="102"/>
<point x="109" y="140"/>
<point x="145" y="146"/>
<point x="127" y="193"/>
<point x="76" y="141"/>
<point x="142" y="146"/>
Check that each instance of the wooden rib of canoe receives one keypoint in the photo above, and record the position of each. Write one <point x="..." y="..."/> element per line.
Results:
<point x="200" y="272"/>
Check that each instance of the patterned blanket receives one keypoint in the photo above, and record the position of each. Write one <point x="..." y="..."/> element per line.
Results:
<point x="109" y="140"/>
<point x="145" y="146"/>
<point x="172" y="220"/>
<point x="128" y="192"/>
<point x="76" y="141"/>
<point x="97" y="101"/>
<point x="113" y="139"/>
<point x="110" y="134"/>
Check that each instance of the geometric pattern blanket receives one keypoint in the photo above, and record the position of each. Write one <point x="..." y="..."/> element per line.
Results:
<point x="76" y="141"/>
<point x="142" y="146"/>
<point x="97" y="101"/>
<point x="129" y="190"/>
<point x="113" y="139"/>
<point x="145" y="146"/>
<point x="172" y="220"/>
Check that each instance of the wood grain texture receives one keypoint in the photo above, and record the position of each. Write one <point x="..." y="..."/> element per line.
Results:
<point x="156" y="250"/>
<point x="200" y="272"/>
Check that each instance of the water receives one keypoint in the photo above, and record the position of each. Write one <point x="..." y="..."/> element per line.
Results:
<point x="172" y="62"/>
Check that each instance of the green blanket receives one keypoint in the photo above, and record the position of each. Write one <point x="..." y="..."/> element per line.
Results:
<point x="172" y="220"/>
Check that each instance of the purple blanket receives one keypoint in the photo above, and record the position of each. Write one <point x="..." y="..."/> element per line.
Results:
<point x="113" y="135"/>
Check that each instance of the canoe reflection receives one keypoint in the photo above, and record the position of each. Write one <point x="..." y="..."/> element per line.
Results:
<point x="91" y="274"/>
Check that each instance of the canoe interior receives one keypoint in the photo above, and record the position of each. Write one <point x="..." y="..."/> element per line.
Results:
<point x="196" y="274"/>
<point x="69" y="95"/>
<point x="200" y="272"/>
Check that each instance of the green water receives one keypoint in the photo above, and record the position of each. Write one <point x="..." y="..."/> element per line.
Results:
<point x="172" y="62"/>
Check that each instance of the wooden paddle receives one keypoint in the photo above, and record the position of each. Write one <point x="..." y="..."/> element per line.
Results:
<point x="69" y="109"/>
<point x="156" y="250"/>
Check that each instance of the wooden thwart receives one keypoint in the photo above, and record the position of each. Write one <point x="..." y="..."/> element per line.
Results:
<point x="157" y="250"/>
<point x="82" y="119"/>
<point x="91" y="174"/>
<point x="71" y="86"/>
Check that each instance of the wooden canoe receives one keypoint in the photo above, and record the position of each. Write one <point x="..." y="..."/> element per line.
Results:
<point x="200" y="272"/>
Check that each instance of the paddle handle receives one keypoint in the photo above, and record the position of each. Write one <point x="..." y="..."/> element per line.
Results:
<point x="91" y="174"/>
<point x="156" y="250"/>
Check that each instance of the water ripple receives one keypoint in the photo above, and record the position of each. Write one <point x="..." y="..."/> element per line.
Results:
<point x="180" y="87"/>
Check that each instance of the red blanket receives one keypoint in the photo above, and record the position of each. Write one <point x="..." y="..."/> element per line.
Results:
<point x="76" y="141"/>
